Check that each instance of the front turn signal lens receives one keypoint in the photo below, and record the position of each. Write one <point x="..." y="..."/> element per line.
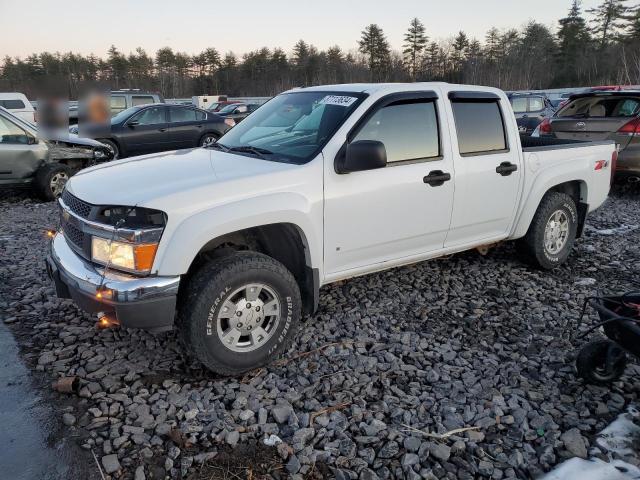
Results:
<point x="144" y="255"/>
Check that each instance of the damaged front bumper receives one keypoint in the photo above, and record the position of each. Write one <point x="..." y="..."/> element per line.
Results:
<point x="148" y="303"/>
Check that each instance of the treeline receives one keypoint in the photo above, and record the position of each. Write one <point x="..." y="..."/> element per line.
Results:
<point x="593" y="47"/>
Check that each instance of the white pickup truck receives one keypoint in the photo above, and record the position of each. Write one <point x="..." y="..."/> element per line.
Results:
<point x="232" y="242"/>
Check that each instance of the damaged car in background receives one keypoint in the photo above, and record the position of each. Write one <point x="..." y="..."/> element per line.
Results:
<point x="27" y="159"/>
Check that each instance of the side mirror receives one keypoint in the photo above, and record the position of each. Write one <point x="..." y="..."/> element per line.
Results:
<point x="362" y="155"/>
<point x="133" y="124"/>
<point x="31" y="140"/>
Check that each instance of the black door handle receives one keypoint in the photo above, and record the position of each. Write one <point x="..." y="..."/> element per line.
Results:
<point x="437" y="178"/>
<point x="506" y="168"/>
<point x="162" y="130"/>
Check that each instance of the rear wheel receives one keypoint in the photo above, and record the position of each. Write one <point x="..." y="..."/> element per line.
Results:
<point x="50" y="180"/>
<point x="601" y="362"/>
<point x="552" y="232"/>
<point x="240" y="312"/>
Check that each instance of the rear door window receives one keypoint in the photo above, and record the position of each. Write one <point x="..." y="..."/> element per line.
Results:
<point x="181" y="115"/>
<point x="479" y="126"/>
<point x="408" y="130"/>
<point x="12" y="104"/>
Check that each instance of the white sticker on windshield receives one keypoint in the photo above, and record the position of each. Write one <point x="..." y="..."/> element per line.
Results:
<point x="341" y="100"/>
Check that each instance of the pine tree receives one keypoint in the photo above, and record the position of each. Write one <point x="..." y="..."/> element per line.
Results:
<point x="573" y="41"/>
<point x="460" y="49"/>
<point x="415" y="42"/>
<point x="373" y="44"/>
<point x="609" y="20"/>
<point x="632" y="30"/>
<point x="493" y="45"/>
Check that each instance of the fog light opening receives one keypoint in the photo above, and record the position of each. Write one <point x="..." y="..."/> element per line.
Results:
<point x="106" y="321"/>
<point x="103" y="293"/>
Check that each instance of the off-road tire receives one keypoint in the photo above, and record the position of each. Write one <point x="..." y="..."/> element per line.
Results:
<point x="532" y="246"/>
<point x="591" y="360"/>
<point x="113" y="146"/>
<point x="43" y="178"/>
<point x="205" y="295"/>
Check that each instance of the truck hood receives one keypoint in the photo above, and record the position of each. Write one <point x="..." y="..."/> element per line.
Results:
<point x="152" y="180"/>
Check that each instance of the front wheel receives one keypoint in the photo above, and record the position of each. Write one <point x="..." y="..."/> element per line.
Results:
<point x="552" y="232"/>
<point x="240" y="312"/>
<point x="208" y="139"/>
<point x="112" y="146"/>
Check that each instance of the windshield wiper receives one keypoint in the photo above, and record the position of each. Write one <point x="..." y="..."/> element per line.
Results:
<point x="260" y="152"/>
<point x="220" y="146"/>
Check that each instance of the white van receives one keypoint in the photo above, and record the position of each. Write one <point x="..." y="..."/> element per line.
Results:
<point x="19" y="105"/>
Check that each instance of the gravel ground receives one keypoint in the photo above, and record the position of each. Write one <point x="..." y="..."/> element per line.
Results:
<point x="389" y="363"/>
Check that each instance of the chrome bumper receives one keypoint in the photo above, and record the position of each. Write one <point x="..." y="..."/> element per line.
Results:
<point x="137" y="302"/>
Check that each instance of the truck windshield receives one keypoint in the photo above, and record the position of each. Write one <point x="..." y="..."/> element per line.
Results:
<point x="292" y="127"/>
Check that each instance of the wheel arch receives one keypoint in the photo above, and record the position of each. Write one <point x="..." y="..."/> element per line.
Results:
<point x="576" y="188"/>
<point x="284" y="241"/>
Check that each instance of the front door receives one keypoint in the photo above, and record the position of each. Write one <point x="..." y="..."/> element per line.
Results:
<point x="376" y="216"/>
<point x="488" y="169"/>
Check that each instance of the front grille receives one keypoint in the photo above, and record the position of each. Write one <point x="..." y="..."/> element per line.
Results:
<point x="77" y="206"/>
<point x="74" y="235"/>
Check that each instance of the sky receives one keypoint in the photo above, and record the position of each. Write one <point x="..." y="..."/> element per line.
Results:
<point x="240" y="26"/>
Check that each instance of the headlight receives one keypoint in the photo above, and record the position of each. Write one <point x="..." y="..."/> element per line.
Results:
<point x="127" y="256"/>
<point x="98" y="154"/>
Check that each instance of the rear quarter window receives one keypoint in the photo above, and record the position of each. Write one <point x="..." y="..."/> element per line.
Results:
<point x="479" y="126"/>
<point x="12" y="104"/>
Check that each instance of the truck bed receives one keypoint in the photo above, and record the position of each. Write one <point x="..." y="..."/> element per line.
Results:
<point x="536" y="144"/>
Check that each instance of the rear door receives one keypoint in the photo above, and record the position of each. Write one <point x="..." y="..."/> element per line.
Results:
<point x="390" y="213"/>
<point x="147" y="131"/>
<point x="186" y="126"/>
<point x="488" y="168"/>
<point x="596" y="117"/>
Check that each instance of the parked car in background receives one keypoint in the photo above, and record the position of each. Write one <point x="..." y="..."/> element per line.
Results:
<point x="217" y="106"/>
<point x="238" y="111"/>
<point x="601" y="115"/>
<point x="44" y="165"/>
<point x="530" y="109"/>
<point x="19" y="105"/>
<point x="320" y="185"/>
<point x="159" y="127"/>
